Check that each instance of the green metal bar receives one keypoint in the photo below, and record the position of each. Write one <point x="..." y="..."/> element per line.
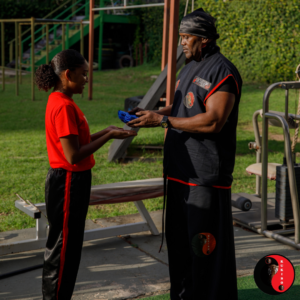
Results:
<point x="16" y="58"/>
<point x="3" y="55"/>
<point x="32" y="60"/>
<point x="47" y="44"/>
<point x="100" y="36"/>
<point x="86" y="10"/>
<point x="56" y="18"/>
<point x="20" y="53"/>
<point x="63" y="38"/>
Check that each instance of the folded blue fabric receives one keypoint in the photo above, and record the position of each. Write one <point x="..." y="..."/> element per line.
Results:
<point x="125" y="116"/>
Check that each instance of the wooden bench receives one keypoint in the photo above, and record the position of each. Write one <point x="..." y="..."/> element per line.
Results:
<point x="127" y="191"/>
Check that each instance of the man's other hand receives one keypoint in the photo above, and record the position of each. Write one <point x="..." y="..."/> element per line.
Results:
<point x="146" y="118"/>
<point x="135" y="110"/>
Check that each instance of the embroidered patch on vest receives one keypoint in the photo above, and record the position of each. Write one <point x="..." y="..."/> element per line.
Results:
<point x="202" y="83"/>
<point x="203" y="244"/>
<point x="189" y="100"/>
<point x="177" y="84"/>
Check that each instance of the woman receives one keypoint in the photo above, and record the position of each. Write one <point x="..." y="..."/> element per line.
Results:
<point x="70" y="150"/>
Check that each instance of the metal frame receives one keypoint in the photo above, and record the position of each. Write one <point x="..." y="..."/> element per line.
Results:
<point x="18" y="47"/>
<point x="262" y="156"/>
<point x="42" y="228"/>
<point x="174" y="8"/>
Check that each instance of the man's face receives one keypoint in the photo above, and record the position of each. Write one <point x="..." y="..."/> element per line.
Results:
<point x="192" y="46"/>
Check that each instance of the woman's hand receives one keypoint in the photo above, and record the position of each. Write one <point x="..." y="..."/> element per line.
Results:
<point x="121" y="134"/>
<point x="111" y="127"/>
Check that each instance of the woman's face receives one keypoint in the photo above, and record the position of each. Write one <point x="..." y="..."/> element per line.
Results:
<point x="77" y="79"/>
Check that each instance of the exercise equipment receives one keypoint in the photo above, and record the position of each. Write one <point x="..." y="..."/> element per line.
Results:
<point x="275" y="216"/>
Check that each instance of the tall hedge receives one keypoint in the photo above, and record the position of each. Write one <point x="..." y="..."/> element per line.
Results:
<point x="261" y="37"/>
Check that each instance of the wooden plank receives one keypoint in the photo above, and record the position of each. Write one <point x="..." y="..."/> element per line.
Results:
<point x="118" y="148"/>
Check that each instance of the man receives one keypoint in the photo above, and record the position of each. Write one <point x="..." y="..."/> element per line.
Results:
<point x="199" y="157"/>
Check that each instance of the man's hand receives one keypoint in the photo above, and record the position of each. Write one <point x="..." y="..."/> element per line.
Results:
<point x="135" y="110"/>
<point x="146" y="118"/>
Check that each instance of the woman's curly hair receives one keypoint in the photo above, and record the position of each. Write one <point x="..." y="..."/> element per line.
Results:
<point x="47" y="76"/>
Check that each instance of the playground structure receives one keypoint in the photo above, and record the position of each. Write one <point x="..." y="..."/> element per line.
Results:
<point x="18" y="45"/>
<point x="55" y="33"/>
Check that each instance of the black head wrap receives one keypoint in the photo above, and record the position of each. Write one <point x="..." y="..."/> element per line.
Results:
<point x="199" y="23"/>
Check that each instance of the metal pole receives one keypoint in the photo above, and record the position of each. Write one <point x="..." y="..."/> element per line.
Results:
<point x="165" y="41"/>
<point x="193" y="5"/>
<point x="16" y="58"/>
<point x="291" y="173"/>
<point x="101" y="26"/>
<point x="3" y="55"/>
<point x="47" y="44"/>
<point x="125" y="3"/>
<point x="32" y="60"/>
<point x="129" y="6"/>
<point x="20" y="52"/>
<point x="81" y="39"/>
<point x="258" y="151"/>
<point x="172" y="53"/>
<point x="11" y="52"/>
<point x="63" y="36"/>
<point x="91" y="49"/>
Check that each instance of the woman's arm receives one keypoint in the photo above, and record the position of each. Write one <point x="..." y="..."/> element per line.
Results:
<point x="98" y="134"/>
<point x="74" y="153"/>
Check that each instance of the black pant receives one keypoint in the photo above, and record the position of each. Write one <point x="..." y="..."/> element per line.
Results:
<point x="200" y="243"/>
<point x="67" y="196"/>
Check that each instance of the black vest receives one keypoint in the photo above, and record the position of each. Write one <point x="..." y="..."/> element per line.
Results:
<point x="203" y="159"/>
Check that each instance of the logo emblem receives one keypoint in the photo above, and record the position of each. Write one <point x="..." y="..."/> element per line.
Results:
<point x="274" y="274"/>
<point x="203" y="244"/>
<point x="202" y="83"/>
<point x="189" y="100"/>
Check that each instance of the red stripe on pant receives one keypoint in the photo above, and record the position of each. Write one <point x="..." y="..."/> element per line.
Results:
<point x="65" y="228"/>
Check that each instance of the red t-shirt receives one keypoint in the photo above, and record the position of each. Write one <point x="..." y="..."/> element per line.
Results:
<point x="64" y="117"/>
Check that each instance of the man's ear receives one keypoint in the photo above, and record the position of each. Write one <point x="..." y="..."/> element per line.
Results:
<point x="68" y="74"/>
<point x="205" y="41"/>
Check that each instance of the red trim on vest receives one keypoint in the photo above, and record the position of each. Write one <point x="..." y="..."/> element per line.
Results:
<point x="194" y="184"/>
<point x="178" y="180"/>
<point x="212" y="91"/>
<point x="65" y="228"/>
<point x="222" y="187"/>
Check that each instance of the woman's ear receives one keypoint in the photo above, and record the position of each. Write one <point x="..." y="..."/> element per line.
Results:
<point x="68" y="74"/>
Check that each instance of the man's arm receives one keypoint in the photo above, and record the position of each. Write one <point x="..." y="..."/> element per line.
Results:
<point x="218" y="108"/>
<point x="166" y="111"/>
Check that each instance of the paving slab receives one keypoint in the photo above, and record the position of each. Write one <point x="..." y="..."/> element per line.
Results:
<point x="123" y="267"/>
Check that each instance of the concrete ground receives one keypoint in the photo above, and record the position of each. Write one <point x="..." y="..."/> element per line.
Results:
<point x="122" y="267"/>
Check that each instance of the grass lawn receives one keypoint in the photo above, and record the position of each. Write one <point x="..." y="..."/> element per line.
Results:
<point x="23" y="156"/>
<point x="247" y="290"/>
